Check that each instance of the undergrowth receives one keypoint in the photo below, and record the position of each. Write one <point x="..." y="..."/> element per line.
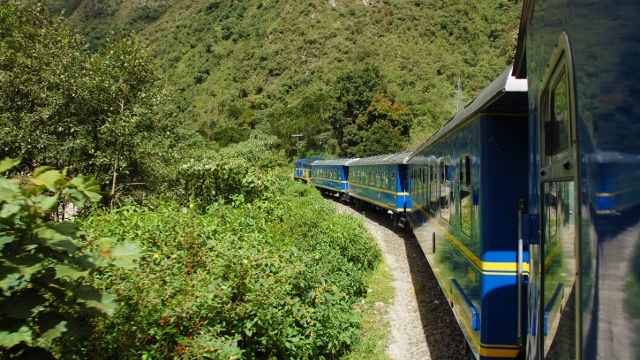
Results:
<point x="276" y="279"/>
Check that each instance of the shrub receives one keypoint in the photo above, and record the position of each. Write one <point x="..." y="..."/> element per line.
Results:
<point x="47" y="268"/>
<point x="245" y="280"/>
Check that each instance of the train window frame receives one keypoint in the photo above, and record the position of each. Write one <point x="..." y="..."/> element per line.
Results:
<point x="444" y="185"/>
<point x="393" y="180"/>
<point x="385" y="179"/>
<point x="433" y="186"/>
<point x="556" y="158"/>
<point x="465" y="196"/>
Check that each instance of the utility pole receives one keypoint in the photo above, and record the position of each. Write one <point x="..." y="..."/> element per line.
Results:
<point x="459" y="98"/>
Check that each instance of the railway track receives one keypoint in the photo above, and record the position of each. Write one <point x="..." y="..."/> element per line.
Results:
<point x="422" y="324"/>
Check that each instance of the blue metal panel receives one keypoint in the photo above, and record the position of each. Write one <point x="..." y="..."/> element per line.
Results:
<point x="469" y="311"/>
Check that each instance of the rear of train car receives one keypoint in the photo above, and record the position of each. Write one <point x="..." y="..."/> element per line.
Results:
<point x="466" y="184"/>
<point x="331" y="176"/>
<point x="302" y="169"/>
<point x="582" y="220"/>
<point x="380" y="181"/>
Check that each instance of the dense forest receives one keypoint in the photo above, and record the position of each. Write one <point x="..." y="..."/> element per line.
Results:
<point x="288" y="67"/>
<point x="145" y="198"/>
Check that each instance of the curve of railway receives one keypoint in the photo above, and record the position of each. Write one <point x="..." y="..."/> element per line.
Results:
<point x="422" y="324"/>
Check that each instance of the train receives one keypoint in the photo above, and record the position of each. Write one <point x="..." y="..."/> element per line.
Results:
<point x="526" y="203"/>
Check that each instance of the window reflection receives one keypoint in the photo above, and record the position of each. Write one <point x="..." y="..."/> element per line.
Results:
<point x="445" y="190"/>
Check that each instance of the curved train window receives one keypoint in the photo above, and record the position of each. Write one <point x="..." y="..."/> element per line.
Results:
<point x="556" y="125"/>
<point x="393" y="179"/>
<point x="433" y="201"/>
<point x="425" y="182"/>
<point x="465" y="195"/>
<point x="385" y="179"/>
<point x="445" y="190"/>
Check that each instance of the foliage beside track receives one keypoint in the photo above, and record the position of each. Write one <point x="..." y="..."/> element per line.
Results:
<point x="47" y="267"/>
<point x="250" y="279"/>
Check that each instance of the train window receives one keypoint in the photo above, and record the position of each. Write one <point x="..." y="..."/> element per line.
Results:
<point x="556" y="126"/>
<point x="433" y="202"/>
<point x="465" y="195"/>
<point x="465" y="171"/>
<point x="423" y="186"/>
<point x="385" y="179"/>
<point x="378" y="182"/>
<point x="445" y="190"/>
<point x="393" y="179"/>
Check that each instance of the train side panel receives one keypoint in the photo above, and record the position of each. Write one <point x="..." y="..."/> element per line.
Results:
<point x="470" y="239"/>
<point x="581" y="58"/>
<point x="331" y="176"/>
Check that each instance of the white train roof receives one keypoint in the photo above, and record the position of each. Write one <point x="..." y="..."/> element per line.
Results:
<point x="397" y="158"/>
<point x="343" y="162"/>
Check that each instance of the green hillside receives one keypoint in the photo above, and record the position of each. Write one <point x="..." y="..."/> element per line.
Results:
<point x="238" y="64"/>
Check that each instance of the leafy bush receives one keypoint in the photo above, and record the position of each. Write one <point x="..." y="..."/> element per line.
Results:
<point x="240" y="172"/>
<point x="47" y="268"/>
<point x="274" y="279"/>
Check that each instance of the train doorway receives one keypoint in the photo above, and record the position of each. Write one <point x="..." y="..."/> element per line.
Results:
<point x="554" y="314"/>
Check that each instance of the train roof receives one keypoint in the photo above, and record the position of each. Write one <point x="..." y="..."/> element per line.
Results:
<point x="505" y="95"/>
<point x="308" y="160"/>
<point x="397" y="158"/>
<point x="342" y="162"/>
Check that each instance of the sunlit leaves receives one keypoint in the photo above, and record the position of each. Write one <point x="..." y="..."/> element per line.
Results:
<point x="7" y="164"/>
<point x="239" y="279"/>
<point x="63" y="107"/>
<point x="47" y="268"/>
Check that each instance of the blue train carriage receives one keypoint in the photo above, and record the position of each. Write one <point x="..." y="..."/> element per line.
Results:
<point x="467" y="184"/>
<point x="581" y="59"/>
<point x="302" y="169"/>
<point x="331" y="176"/>
<point x="381" y="181"/>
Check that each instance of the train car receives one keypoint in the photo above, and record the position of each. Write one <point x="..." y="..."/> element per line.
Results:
<point x="381" y="181"/>
<point x="582" y="218"/>
<point x="331" y="176"/>
<point x="302" y="169"/>
<point x="467" y="183"/>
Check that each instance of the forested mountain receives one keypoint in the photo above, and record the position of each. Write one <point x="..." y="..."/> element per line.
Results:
<point x="236" y="65"/>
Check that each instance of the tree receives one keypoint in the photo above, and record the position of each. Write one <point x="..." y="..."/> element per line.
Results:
<point x="383" y="128"/>
<point x="352" y="94"/>
<point x="62" y="107"/>
<point x="307" y="118"/>
<point x="47" y="268"/>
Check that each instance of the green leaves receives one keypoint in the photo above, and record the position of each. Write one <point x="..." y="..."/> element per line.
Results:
<point x="125" y="254"/>
<point x="47" y="177"/>
<point x="47" y="268"/>
<point x="233" y="278"/>
<point x="10" y="339"/>
<point x="7" y="164"/>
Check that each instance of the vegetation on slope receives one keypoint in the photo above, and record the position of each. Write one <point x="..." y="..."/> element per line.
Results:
<point x="238" y="63"/>
<point x="263" y="270"/>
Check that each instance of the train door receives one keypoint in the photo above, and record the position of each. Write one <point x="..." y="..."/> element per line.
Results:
<point x="553" y="261"/>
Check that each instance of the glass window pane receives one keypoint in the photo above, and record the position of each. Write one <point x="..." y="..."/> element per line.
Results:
<point x="445" y="192"/>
